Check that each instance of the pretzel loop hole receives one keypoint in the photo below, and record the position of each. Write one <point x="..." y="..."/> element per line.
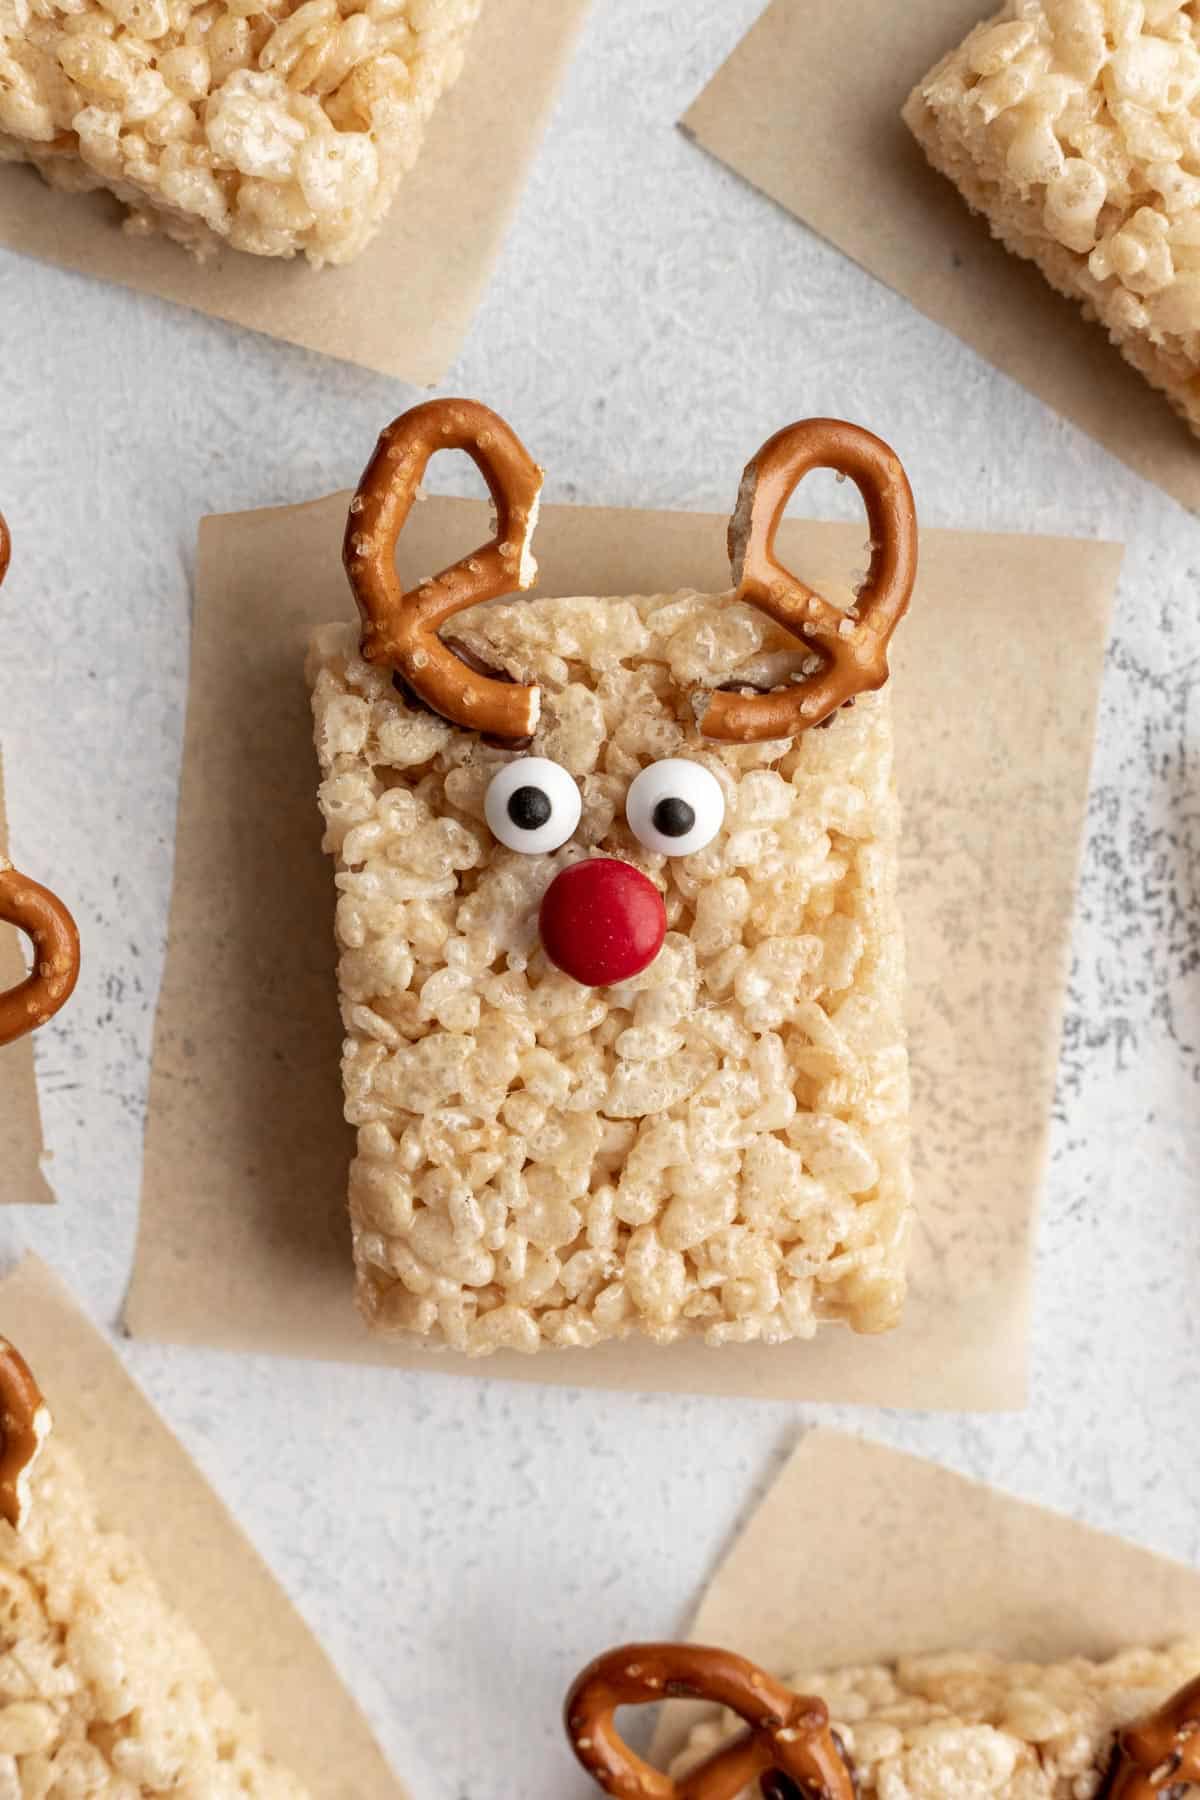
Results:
<point x="788" y="1733"/>
<point x="850" y="648"/>
<point x="400" y="629"/>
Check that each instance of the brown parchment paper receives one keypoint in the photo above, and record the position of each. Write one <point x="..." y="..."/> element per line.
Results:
<point x="148" y="1487"/>
<point x="22" y="1182"/>
<point x="914" y="1559"/>
<point x="243" y="1240"/>
<point x="808" y="109"/>
<point x="404" y="306"/>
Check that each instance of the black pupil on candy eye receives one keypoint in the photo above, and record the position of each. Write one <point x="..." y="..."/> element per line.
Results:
<point x="673" y="817"/>
<point x="529" y="808"/>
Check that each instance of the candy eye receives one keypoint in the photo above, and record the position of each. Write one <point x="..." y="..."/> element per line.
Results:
<point x="532" y="805"/>
<point x="675" y="807"/>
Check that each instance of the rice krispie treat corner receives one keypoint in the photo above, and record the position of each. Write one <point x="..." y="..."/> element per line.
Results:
<point x="104" y="1691"/>
<point x="623" y="1001"/>
<point x="959" y="1726"/>
<point x="1074" y="127"/>
<point x="273" y="126"/>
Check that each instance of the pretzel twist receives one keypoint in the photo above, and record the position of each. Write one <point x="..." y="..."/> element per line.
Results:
<point x="44" y="920"/>
<point x="788" y="1733"/>
<point x="400" y="630"/>
<point x="24" y="1425"/>
<point x="1161" y="1754"/>
<point x="852" y="646"/>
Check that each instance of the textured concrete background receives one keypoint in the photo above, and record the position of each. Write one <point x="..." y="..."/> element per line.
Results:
<point x="461" y="1547"/>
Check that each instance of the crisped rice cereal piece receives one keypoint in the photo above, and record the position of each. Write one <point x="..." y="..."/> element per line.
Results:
<point x="715" y="1148"/>
<point x="968" y="1726"/>
<point x="104" y="1691"/>
<point x="1074" y="127"/>
<point x="277" y="130"/>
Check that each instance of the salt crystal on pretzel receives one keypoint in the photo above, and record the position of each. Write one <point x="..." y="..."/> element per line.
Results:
<point x="623" y="1000"/>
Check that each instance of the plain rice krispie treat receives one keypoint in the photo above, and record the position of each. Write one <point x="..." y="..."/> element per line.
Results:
<point x="104" y="1691"/>
<point x="551" y="1153"/>
<point x="1074" y="127"/>
<point x="967" y="1726"/>
<point x="267" y="125"/>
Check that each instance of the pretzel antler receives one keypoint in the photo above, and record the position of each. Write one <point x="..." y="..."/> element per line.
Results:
<point x="24" y="1425"/>
<point x="52" y="931"/>
<point x="400" y="629"/>
<point x="788" y="1733"/>
<point x="852" y="645"/>
<point x="44" y="920"/>
<point x="1161" y="1754"/>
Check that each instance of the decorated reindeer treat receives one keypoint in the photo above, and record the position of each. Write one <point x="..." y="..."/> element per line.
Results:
<point x="621" y="967"/>
<point x="47" y="924"/>
<point x="104" y="1690"/>
<point x="963" y="1726"/>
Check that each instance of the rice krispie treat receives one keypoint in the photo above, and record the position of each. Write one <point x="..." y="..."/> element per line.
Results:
<point x="952" y="1727"/>
<point x="272" y="126"/>
<point x="104" y="1692"/>
<point x="621" y="965"/>
<point x="1074" y="127"/>
<point x="42" y="918"/>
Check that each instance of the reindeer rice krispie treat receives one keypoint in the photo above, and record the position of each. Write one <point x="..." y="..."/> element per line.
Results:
<point x="1074" y="127"/>
<point x="964" y="1726"/>
<point x="104" y="1691"/>
<point x="272" y="126"/>
<point x="621" y="965"/>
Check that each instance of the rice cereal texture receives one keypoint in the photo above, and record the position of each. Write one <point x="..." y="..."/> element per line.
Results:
<point x="103" y="1690"/>
<point x="968" y="1726"/>
<point x="717" y="1148"/>
<point x="270" y="126"/>
<point x="1074" y="127"/>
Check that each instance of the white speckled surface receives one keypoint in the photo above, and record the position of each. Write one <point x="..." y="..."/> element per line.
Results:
<point x="460" y="1547"/>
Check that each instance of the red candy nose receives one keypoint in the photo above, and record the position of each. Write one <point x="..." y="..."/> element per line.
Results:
<point x="602" y="921"/>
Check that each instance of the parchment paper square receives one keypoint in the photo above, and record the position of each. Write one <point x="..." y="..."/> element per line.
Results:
<point x="243" y="1240"/>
